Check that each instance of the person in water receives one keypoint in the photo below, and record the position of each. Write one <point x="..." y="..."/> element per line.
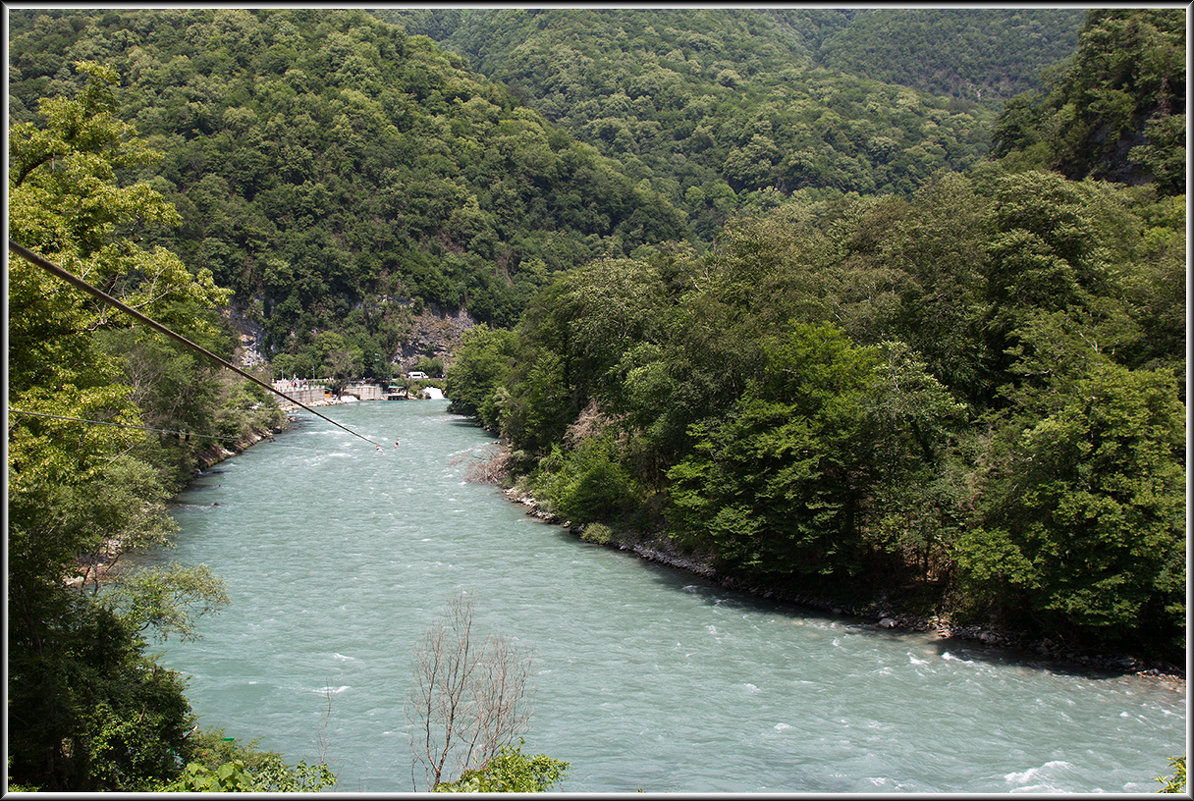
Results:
<point x="395" y="443"/>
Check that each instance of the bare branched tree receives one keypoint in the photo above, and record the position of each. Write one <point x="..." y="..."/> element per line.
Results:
<point x="323" y="730"/>
<point x="486" y="465"/>
<point x="468" y="699"/>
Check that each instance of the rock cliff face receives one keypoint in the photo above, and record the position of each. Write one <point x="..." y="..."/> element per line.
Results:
<point x="250" y="336"/>
<point x="433" y="334"/>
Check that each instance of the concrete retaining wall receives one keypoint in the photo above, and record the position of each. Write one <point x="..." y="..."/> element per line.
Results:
<point x="312" y="395"/>
<point x="304" y="395"/>
<point x="365" y="392"/>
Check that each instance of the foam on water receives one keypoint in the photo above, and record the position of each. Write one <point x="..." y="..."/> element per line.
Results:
<point x="1037" y="779"/>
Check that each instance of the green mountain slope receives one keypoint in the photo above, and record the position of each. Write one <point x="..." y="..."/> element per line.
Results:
<point x="982" y="54"/>
<point x="1116" y="111"/>
<point x="333" y="171"/>
<point x="721" y="107"/>
<point x="715" y="107"/>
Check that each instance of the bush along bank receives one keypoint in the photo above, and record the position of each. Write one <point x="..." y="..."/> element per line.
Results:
<point x="213" y="454"/>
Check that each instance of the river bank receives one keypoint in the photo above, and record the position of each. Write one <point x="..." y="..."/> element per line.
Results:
<point x="214" y="454"/>
<point x="882" y="615"/>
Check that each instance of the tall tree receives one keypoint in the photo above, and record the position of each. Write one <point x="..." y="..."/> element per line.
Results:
<point x="88" y="710"/>
<point x="1083" y="523"/>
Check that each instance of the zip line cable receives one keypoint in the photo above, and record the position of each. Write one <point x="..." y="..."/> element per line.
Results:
<point x="187" y="434"/>
<point x="70" y="278"/>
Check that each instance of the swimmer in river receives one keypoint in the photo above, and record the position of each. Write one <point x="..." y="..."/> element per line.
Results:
<point x="395" y="443"/>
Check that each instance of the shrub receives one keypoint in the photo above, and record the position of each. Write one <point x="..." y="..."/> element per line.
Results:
<point x="510" y="771"/>
<point x="586" y="484"/>
<point x="597" y="533"/>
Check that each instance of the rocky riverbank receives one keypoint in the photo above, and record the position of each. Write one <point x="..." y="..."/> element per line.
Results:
<point x="214" y="454"/>
<point x="877" y="614"/>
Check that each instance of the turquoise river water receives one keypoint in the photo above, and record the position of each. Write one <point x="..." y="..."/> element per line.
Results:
<point x="337" y="559"/>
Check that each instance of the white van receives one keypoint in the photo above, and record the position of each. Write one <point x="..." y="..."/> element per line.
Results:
<point x="416" y="375"/>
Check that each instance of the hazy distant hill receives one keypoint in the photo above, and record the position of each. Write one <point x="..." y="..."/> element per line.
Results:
<point x="983" y="54"/>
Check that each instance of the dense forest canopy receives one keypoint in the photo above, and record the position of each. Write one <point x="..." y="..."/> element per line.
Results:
<point x="719" y="107"/>
<point x="747" y="287"/>
<point x="336" y="173"/>
<point x="1118" y="110"/>
<point x="982" y="54"/>
<point x="330" y="169"/>
<point x="976" y="392"/>
<point x="986" y="54"/>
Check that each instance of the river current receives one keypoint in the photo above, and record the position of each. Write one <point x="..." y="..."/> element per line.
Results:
<point x="337" y="559"/>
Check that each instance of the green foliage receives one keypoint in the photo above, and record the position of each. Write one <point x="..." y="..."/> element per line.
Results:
<point x="1177" y="782"/>
<point x="713" y="108"/>
<point x="89" y="711"/>
<point x="581" y="326"/>
<point x="246" y="408"/>
<point x="233" y="777"/>
<point x="224" y="764"/>
<point x="510" y="771"/>
<point x="792" y="479"/>
<point x="1116" y="110"/>
<point x="161" y="598"/>
<point x="227" y="778"/>
<point x="432" y="367"/>
<point x="788" y="404"/>
<point x="483" y="361"/>
<point x="587" y="482"/>
<point x="1085" y="523"/>
<point x="535" y="407"/>
<point x="597" y="533"/>
<point x="985" y="55"/>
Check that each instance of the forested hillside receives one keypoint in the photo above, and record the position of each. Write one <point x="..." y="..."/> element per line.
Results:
<point x="971" y="399"/>
<point x="337" y="174"/>
<point x="719" y="107"/>
<point x="986" y="54"/>
<point x="1117" y="113"/>
<point x="982" y="54"/>
<point x="329" y="169"/>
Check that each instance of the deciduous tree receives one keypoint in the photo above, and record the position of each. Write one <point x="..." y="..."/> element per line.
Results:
<point x="470" y="696"/>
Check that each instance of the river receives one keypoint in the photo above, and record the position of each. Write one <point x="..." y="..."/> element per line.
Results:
<point x="337" y="559"/>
